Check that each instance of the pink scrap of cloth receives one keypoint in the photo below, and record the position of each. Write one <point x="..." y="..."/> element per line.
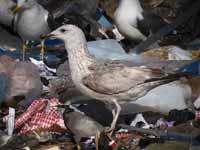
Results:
<point x="197" y="115"/>
<point x="40" y="115"/>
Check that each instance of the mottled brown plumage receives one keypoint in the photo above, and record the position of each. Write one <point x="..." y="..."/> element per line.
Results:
<point x="108" y="81"/>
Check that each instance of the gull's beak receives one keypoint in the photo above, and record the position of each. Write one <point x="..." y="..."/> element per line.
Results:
<point x="16" y="9"/>
<point x="48" y="36"/>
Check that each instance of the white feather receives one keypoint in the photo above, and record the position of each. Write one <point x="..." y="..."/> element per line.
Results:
<point x="126" y="16"/>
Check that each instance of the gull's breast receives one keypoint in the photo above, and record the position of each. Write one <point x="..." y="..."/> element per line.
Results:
<point x="32" y="24"/>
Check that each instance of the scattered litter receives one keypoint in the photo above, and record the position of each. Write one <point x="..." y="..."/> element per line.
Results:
<point x="180" y="116"/>
<point x="169" y="53"/>
<point x="45" y="103"/>
<point x="138" y="119"/>
<point x="39" y="117"/>
<point x="11" y="121"/>
<point x="176" y="53"/>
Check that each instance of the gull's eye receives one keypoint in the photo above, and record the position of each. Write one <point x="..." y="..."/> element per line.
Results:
<point x="62" y="30"/>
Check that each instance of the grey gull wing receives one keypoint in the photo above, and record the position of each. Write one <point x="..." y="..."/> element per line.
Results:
<point x="118" y="79"/>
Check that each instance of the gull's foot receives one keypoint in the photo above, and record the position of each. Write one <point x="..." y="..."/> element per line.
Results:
<point x="24" y="47"/>
<point x="108" y="131"/>
<point x="78" y="147"/>
<point x="42" y="50"/>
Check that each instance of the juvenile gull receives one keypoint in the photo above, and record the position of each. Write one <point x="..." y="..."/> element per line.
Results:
<point x="134" y="22"/>
<point x="109" y="81"/>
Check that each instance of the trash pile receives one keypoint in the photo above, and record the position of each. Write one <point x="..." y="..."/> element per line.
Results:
<point x="99" y="75"/>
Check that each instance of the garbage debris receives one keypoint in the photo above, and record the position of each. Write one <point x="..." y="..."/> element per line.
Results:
<point x="41" y="115"/>
<point x="126" y="75"/>
<point x="11" y="121"/>
<point x="180" y="116"/>
<point x="169" y="53"/>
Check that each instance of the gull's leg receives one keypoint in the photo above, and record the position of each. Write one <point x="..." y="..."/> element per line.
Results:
<point x="78" y="147"/>
<point x="118" y="110"/>
<point x="97" y="140"/>
<point x="24" y="46"/>
<point x="113" y="113"/>
<point x="42" y="50"/>
<point x="103" y="32"/>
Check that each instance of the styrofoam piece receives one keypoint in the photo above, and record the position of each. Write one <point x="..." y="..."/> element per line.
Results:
<point x="176" y="53"/>
<point x="11" y="121"/>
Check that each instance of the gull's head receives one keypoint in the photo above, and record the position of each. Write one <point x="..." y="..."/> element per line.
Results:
<point x="72" y="36"/>
<point x="65" y="32"/>
<point x="26" y="3"/>
<point x="23" y="4"/>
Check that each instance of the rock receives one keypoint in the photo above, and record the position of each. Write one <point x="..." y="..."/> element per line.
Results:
<point x="21" y="80"/>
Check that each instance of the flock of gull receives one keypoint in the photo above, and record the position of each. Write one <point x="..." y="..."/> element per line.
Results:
<point x="30" y="19"/>
<point x="109" y="81"/>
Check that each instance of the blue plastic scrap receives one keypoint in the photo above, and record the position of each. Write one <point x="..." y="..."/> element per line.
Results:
<point x="192" y="68"/>
<point x="103" y="20"/>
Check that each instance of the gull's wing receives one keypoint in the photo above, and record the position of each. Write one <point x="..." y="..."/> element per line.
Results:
<point x="9" y="40"/>
<point x="115" y="78"/>
<point x="118" y="79"/>
<point x="6" y="15"/>
<point x="168" y="67"/>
